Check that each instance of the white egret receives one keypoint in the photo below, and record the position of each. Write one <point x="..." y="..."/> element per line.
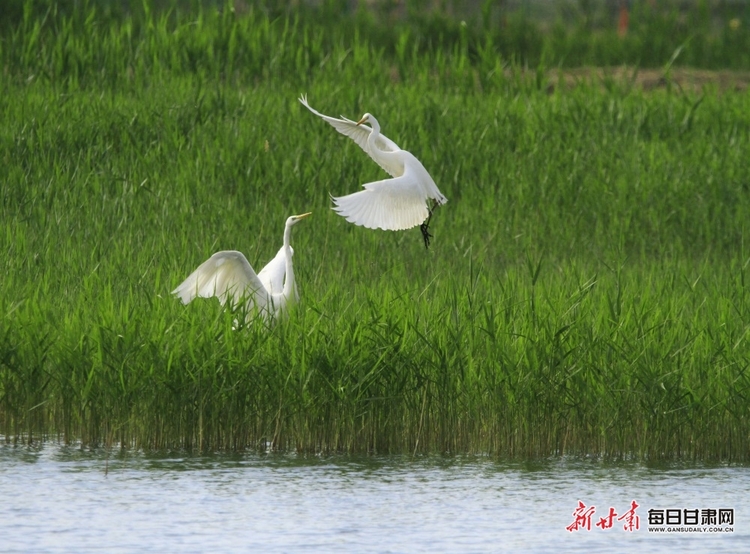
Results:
<point x="391" y="204"/>
<point x="228" y="276"/>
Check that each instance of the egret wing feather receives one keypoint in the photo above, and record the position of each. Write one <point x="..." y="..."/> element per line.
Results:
<point x="391" y="204"/>
<point x="228" y="276"/>
<point x="360" y="134"/>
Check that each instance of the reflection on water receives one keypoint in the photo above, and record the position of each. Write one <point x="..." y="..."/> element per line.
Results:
<point x="62" y="499"/>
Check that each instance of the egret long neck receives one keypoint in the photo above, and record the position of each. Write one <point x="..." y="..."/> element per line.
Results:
<point x="289" y="275"/>
<point x="374" y="134"/>
<point x="392" y="162"/>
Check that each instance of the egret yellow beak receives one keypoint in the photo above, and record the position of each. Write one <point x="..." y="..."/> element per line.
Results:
<point x="302" y="216"/>
<point x="361" y="121"/>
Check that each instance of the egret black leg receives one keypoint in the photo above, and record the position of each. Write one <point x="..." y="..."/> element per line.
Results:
<point x="424" y="228"/>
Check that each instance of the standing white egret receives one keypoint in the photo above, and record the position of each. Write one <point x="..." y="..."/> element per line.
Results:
<point x="391" y="204"/>
<point x="228" y="276"/>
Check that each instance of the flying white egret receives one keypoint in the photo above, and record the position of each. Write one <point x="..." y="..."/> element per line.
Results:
<point x="391" y="204"/>
<point x="228" y="276"/>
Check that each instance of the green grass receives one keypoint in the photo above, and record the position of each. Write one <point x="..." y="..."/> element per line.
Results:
<point x="586" y="290"/>
<point x="111" y="44"/>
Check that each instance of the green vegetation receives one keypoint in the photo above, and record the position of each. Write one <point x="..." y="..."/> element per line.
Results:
<point x="586" y="290"/>
<point x="115" y="43"/>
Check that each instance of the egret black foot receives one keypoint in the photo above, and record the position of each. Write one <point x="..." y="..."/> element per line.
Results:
<point x="425" y="230"/>
<point x="425" y="235"/>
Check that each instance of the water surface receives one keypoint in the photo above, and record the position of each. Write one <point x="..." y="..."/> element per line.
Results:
<point x="65" y="499"/>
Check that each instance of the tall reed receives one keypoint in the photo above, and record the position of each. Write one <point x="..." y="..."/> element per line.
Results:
<point x="585" y="291"/>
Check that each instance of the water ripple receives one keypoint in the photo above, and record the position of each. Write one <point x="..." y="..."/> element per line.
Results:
<point x="61" y="499"/>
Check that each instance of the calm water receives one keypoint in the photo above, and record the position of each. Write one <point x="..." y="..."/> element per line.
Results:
<point x="60" y="499"/>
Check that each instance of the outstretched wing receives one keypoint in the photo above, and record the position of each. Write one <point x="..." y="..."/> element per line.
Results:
<point x="359" y="134"/>
<point x="228" y="276"/>
<point x="391" y="204"/>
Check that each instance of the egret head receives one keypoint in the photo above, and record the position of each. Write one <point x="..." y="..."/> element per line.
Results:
<point x="293" y="220"/>
<point x="365" y="119"/>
